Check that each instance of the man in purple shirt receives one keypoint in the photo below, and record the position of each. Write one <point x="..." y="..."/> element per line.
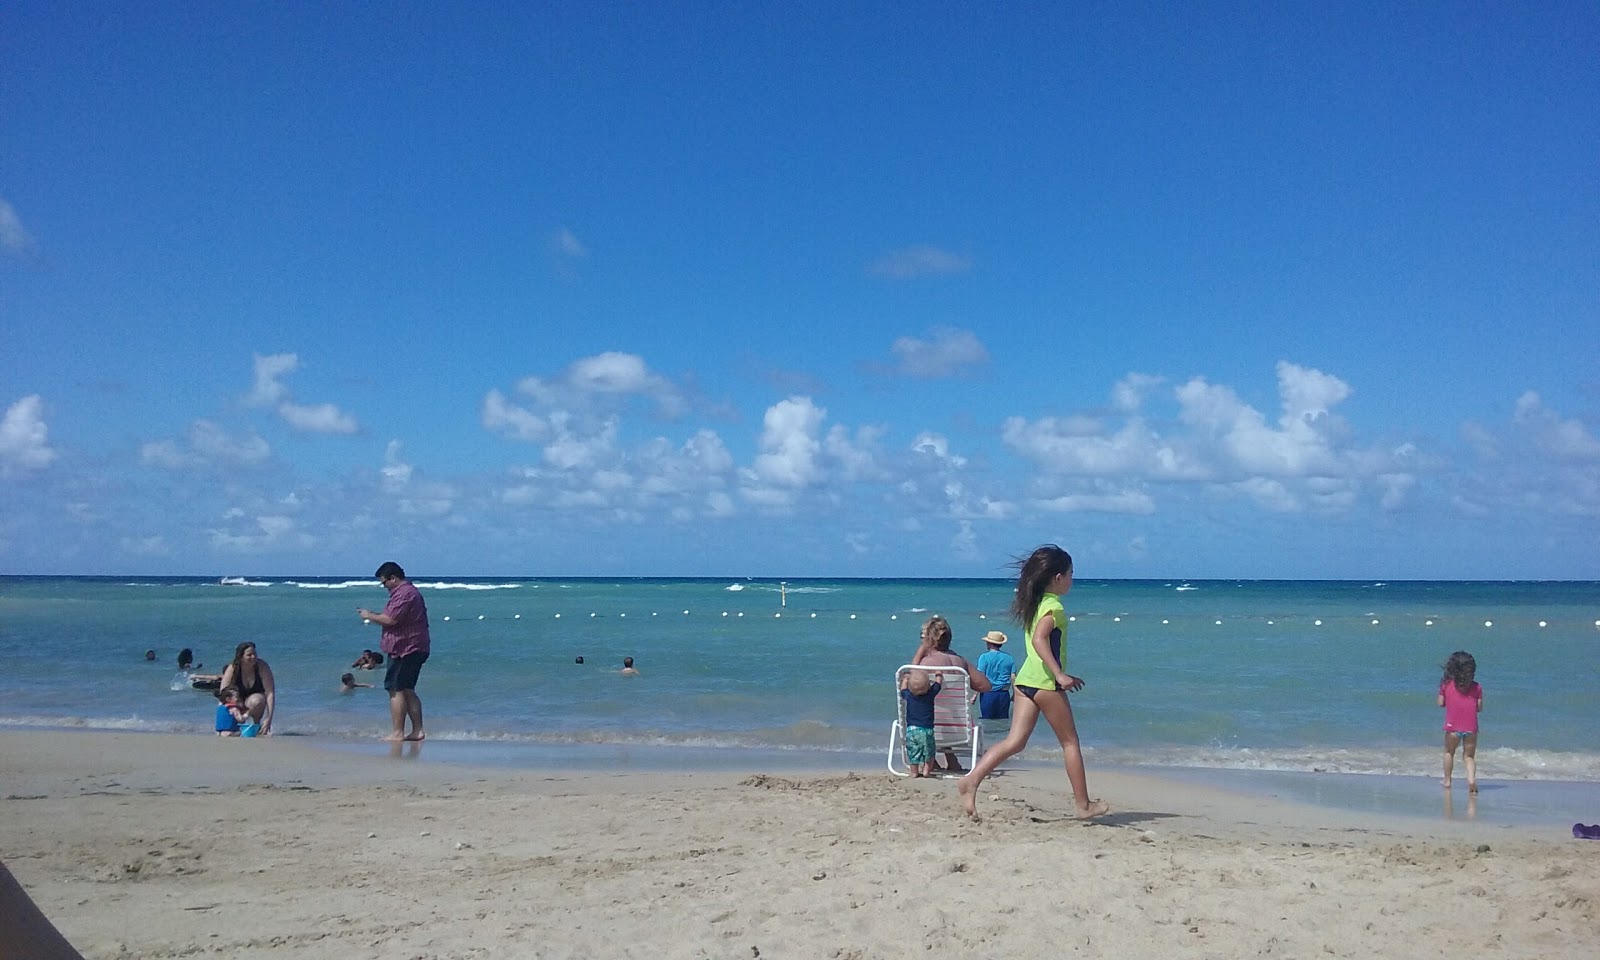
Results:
<point x="405" y="639"/>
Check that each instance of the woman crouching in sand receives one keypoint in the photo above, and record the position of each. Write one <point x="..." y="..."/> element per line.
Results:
<point x="1042" y="684"/>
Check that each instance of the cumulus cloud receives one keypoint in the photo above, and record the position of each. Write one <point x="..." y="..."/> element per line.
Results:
<point x="1304" y="460"/>
<point x="259" y="534"/>
<point x="946" y="352"/>
<point x="322" y="418"/>
<point x="1538" y="462"/>
<point x="207" y="443"/>
<point x="1566" y="440"/>
<point x="789" y="446"/>
<point x="14" y="237"/>
<point x="918" y="261"/>
<point x="269" y="391"/>
<point x="584" y="397"/>
<point x="24" y="437"/>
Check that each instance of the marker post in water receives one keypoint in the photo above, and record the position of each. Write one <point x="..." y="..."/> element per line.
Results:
<point x="783" y="593"/>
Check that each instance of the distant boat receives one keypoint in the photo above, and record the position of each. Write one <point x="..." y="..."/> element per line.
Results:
<point x="233" y="582"/>
<point x="1185" y="586"/>
<point x="735" y="586"/>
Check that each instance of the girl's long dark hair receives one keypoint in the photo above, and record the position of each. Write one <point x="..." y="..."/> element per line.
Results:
<point x="1033" y="573"/>
<point x="1460" y="669"/>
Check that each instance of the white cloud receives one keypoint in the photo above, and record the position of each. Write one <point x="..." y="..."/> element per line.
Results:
<point x="268" y="391"/>
<point x="1566" y="440"/>
<point x="789" y="446"/>
<point x="264" y="533"/>
<point x="1302" y="443"/>
<point x="945" y="353"/>
<point x="322" y="418"/>
<point x="502" y="416"/>
<point x="1126" y="501"/>
<point x="14" y="237"/>
<point x="918" y="261"/>
<point x="396" y="472"/>
<point x="207" y="443"/>
<point x="212" y="443"/>
<point x="24" y="437"/>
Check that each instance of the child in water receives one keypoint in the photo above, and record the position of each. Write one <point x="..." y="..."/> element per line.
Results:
<point x="918" y="691"/>
<point x="347" y="683"/>
<point x="1462" y="700"/>
<point x="229" y="713"/>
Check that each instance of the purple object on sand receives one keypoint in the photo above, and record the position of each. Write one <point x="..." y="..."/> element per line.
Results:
<point x="1583" y="832"/>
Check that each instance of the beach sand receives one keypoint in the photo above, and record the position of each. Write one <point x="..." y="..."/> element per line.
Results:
<point x="140" y="845"/>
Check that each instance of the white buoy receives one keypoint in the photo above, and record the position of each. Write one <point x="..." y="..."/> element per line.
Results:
<point x="1488" y="623"/>
<point x="593" y="615"/>
<point x="1427" y="623"/>
<point x="741" y="613"/>
<point x="558" y="616"/>
<point x="724" y="613"/>
<point x="1219" y="623"/>
<point x="894" y="616"/>
<point x="1543" y="624"/>
<point x="853" y="616"/>
<point x="480" y="616"/>
<point x="1269" y="623"/>
<point x="1116" y="619"/>
<point x="447" y="618"/>
<point x="983" y="616"/>
<point x="622" y="614"/>
<point x="686" y="613"/>
<point x="777" y="616"/>
<point x="813" y="616"/>
<point x="1316" y="623"/>
<point x="1374" y="623"/>
<point x="1164" y="622"/>
<point x="516" y="616"/>
<point x="1073" y="618"/>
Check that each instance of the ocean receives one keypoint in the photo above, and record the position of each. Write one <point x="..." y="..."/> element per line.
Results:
<point x="1336" y="677"/>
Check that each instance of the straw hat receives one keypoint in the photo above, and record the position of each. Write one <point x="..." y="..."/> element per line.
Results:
<point x="995" y="637"/>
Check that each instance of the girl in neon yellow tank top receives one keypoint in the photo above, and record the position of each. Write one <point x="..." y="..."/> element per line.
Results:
<point x="1043" y="683"/>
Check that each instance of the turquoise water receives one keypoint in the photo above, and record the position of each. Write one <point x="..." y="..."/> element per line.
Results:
<point x="1278" y="675"/>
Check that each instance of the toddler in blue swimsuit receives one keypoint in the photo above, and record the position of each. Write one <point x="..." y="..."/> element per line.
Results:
<point x="229" y="713"/>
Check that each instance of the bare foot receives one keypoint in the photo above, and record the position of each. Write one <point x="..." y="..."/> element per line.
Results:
<point x="968" y="792"/>
<point x="415" y="738"/>
<point x="1472" y="788"/>
<point x="395" y="737"/>
<point x="1099" y="808"/>
<point x="1445" y="784"/>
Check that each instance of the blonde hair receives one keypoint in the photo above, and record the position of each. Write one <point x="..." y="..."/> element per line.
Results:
<point x="917" y="682"/>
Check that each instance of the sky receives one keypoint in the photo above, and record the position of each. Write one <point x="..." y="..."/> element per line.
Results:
<point x="1253" y="290"/>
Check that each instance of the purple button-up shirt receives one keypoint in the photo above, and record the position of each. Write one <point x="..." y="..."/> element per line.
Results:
<point x="410" y="631"/>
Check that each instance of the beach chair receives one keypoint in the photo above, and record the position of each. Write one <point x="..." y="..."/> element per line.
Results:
<point x="955" y="723"/>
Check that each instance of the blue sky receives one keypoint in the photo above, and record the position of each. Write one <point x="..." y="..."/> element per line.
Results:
<point x="1252" y="290"/>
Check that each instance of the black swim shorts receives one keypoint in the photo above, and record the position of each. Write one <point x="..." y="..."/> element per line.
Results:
<point x="402" y="672"/>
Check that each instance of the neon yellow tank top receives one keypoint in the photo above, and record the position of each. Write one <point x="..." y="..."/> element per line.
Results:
<point x="1034" y="673"/>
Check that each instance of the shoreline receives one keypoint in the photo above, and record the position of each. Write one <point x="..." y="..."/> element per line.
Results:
<point x="169" y="845"/>
<point x="1542" y="805"/>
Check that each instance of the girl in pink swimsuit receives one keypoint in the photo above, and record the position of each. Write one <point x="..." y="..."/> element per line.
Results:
<point x="1462" y="700"/>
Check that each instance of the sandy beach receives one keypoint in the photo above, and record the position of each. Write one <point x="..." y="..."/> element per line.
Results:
<point x="140" y="845"/>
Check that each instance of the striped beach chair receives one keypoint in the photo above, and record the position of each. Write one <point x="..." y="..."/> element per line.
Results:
<point x="955" y="721"/>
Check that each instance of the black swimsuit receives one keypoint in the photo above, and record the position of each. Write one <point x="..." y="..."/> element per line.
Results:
<point x="257" y="687"/>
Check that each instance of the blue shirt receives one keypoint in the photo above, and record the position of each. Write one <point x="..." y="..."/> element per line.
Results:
<point x="226" y="722"/>
<point x="999" y="667"/>
<point x="919" y="708"/>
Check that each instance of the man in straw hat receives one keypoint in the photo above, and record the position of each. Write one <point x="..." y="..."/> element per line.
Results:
<point x="999" y="667"/>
